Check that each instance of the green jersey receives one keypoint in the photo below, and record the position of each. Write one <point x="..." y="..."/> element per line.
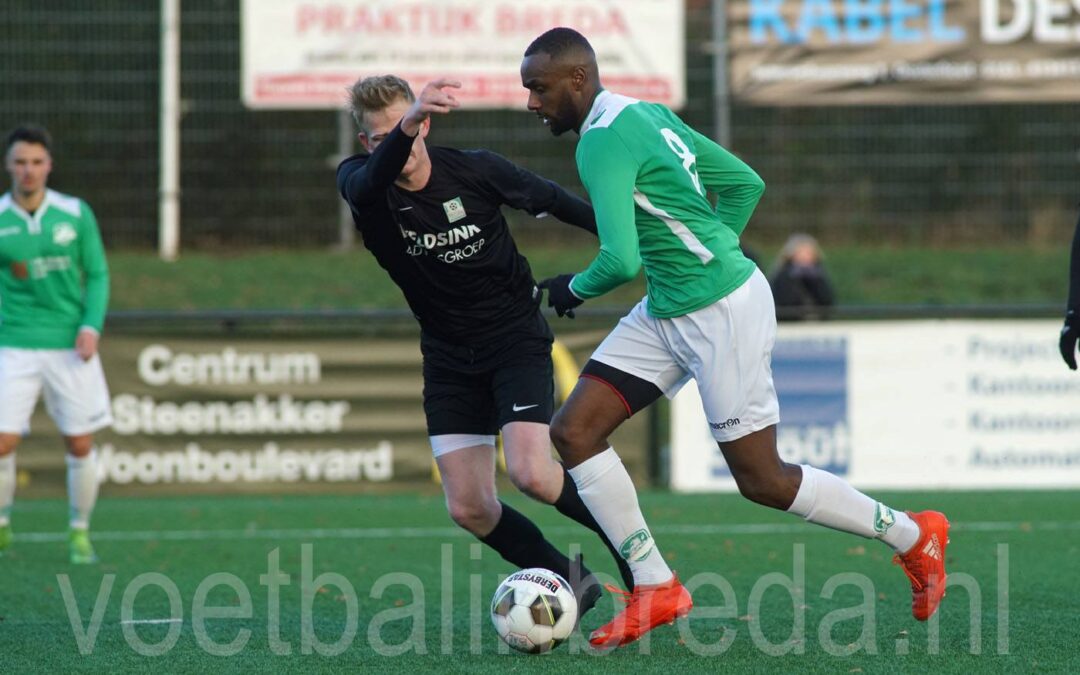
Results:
<point x="53" y="275"/>
<point x="648" y="175"/>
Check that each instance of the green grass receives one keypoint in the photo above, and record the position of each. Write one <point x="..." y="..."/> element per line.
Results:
<point x="881" y="276"/>
<point x="311" y="279"/>
<point x="187" y="539"/>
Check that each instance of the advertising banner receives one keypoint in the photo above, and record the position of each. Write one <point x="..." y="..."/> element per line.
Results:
<point x="281" y="410"/>
<point x="869" y="52"/>
<point x="911" y="405"/>
<point x="305" y="53"/>
<point x="192" y="411"/>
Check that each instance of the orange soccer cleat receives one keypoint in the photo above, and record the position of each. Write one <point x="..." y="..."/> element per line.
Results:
<point x="924" y="564"/>
<point x="646" y="608"/>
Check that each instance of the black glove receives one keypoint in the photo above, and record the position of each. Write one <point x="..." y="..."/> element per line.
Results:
<point x="1070" y="332"/>
<point x="560" y="297"/>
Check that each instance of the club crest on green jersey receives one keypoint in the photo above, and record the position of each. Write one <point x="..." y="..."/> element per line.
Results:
<point x="454" y="209"/>
<point x="63" y="234"/>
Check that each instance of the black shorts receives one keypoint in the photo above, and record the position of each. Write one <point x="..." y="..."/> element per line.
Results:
<point x="478" y="391"/>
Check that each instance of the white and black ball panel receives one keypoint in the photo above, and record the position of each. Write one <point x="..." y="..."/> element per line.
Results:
<point x="534" y="610"/>
<point x="502" y="602"/>
<point x="542" y="637"/>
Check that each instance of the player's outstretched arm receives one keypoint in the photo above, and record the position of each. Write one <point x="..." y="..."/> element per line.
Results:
<point x="436" y="97"/>
<point x="573" y="210"/>
<point x="520" y="188"/>
<point x="362" y="180"/>
<point x="1070" y="332"/>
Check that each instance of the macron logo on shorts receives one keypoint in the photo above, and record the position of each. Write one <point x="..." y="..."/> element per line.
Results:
<point x="726" y="424"/>
<point x="519" y="408"/>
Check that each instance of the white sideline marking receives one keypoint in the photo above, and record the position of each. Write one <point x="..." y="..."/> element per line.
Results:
<point x="143" y="621"/>
<point x="445" y="532"/>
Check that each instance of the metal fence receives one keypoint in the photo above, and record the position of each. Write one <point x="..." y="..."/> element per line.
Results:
<point x="88" y="69"/>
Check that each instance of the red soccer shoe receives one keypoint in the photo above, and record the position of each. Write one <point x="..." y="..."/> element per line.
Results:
<point x="646" y="608"/>
<point x="924" y="564"/>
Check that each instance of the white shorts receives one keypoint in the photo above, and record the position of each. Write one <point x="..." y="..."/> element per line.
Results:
<point x="76" y="394"/>
<point x="726" y="347"/>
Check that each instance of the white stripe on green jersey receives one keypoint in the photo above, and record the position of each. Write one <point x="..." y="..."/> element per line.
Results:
<point x="648" y="174"/>
<point x="53" y="275"/>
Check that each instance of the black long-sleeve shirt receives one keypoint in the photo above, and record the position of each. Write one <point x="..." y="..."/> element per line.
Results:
<point x="804" y="288"/>
<point x="1073" y="302"/>
<point x="447" y="245"/>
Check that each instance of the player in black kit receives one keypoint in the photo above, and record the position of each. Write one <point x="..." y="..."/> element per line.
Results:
<point x="1070" y="332"/>
<point x="431" y="217"/>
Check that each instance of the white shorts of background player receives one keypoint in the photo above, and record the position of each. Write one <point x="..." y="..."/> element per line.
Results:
<point x="75" y="391"/>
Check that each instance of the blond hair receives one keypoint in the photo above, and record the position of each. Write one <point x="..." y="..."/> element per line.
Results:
<point x="372" y="94"/>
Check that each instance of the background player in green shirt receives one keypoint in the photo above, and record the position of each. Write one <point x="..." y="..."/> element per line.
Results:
<point x="708" y="315"/>
<point x="54" y="289"/>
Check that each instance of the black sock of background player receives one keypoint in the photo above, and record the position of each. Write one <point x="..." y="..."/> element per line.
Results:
<point x="570" y="505"/>
<point x="519" y="541"/>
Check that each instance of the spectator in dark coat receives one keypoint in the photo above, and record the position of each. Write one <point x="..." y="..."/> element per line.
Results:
<point x="800" y="285"/>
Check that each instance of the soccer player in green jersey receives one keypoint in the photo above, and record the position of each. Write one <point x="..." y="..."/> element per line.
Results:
<point x="54" y="288"/>
<point x="708" y="315"/>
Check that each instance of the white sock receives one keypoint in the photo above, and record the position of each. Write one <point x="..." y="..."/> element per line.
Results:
<point x="7" y="487"/>
<point x="82" y="483"/>
<point x="609" y="494"/>
<point x="828" y="500"/>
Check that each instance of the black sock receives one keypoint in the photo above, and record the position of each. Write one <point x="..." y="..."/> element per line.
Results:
<point x="570" y="505"/>
<point x="519" y="541"/>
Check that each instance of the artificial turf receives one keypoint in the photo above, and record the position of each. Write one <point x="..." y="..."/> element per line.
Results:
<point x="422" y="589"/>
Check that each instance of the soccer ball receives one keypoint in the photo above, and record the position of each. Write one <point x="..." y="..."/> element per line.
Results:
<point x="534" y="610"/>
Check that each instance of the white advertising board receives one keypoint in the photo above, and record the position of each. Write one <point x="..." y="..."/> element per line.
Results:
<point x="305" y="53"/>
<point x="910" y="405"/>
